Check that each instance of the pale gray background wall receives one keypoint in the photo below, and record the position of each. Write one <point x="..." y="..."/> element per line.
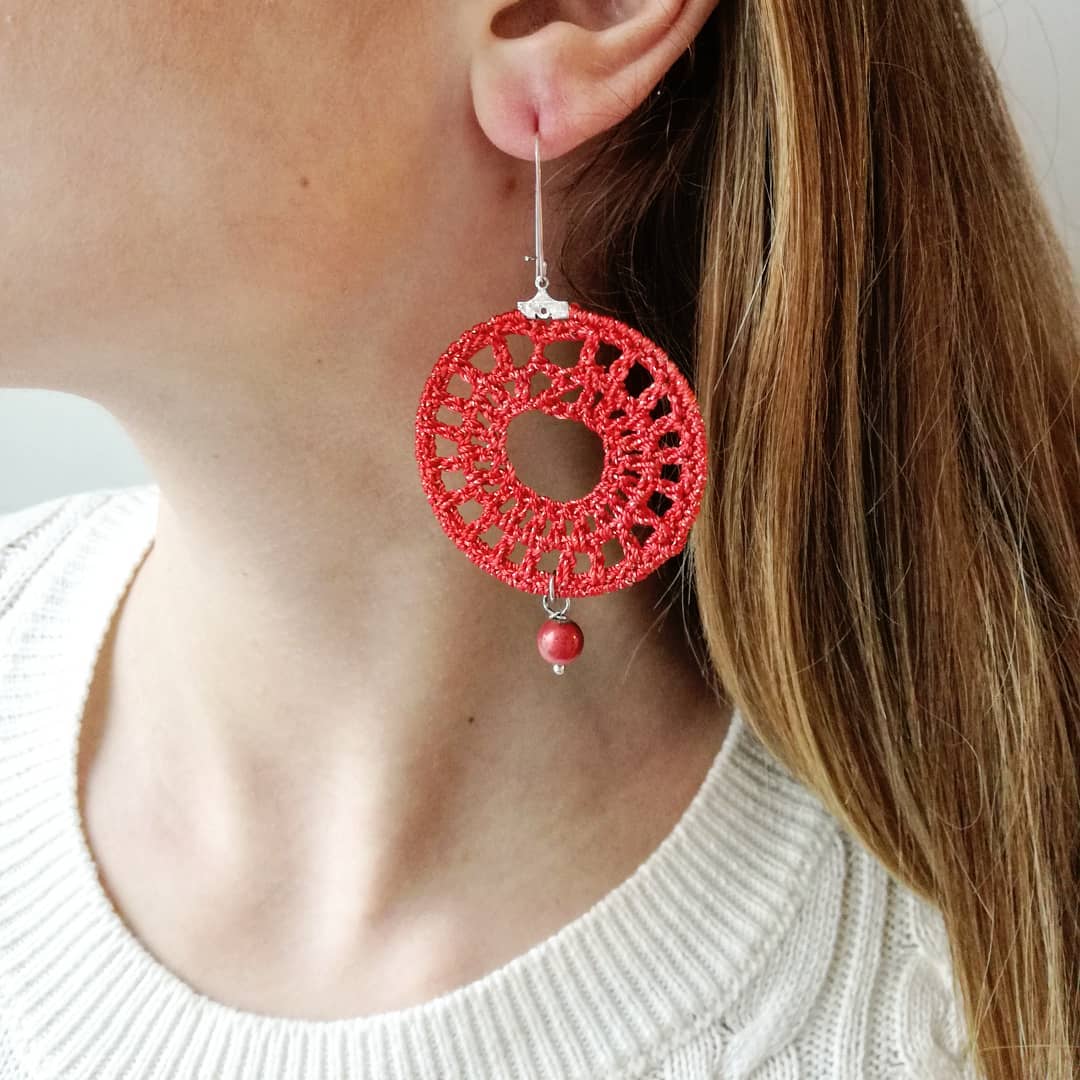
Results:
<point x="51" y="444"/>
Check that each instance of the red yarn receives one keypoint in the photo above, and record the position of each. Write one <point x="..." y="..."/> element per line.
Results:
<point x="653" y="476"/>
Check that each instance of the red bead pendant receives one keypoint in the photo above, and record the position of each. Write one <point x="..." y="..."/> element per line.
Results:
<point x="559" y="642"/>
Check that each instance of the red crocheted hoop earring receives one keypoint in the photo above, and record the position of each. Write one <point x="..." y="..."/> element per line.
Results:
<point x="625" y="389"/>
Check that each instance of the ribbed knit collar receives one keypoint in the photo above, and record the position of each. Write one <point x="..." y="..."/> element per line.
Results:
<point x="608" y="995"/>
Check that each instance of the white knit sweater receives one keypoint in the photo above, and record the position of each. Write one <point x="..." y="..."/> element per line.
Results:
<point x="758" y="940"/>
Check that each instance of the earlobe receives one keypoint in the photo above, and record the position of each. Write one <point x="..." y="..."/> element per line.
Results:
<point x="579" y="73"/>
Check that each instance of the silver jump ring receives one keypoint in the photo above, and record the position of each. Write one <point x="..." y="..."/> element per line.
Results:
<point x="550" y="602"/>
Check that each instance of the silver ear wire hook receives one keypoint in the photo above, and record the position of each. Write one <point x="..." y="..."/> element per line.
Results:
<point x="541" y="306"/>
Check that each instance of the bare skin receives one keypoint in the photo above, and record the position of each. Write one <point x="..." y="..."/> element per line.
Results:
<point x="303" y="863"/>
<point x="322" y="772"/>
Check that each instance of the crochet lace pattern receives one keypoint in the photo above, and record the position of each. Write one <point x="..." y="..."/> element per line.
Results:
<point x="625" y="389"/>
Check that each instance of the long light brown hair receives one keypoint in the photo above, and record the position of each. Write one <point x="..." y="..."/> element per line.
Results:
<point x="826" y="218"/>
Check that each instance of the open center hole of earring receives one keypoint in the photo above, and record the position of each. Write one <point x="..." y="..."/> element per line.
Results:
<point x="560" y="459"/>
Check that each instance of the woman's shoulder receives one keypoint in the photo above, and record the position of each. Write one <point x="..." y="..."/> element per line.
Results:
<point x="861" y="984"/>
<point x="35" y="525"/>
<point x="43" y="546"/>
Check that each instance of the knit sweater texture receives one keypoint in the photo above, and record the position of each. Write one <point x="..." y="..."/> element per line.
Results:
<point x="758" y="941"/>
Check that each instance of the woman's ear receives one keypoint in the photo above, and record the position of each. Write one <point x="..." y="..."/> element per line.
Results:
<point x="573" y="67"/>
